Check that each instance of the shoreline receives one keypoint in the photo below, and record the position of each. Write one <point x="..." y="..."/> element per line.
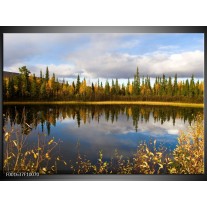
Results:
<point x="150" y="103"/>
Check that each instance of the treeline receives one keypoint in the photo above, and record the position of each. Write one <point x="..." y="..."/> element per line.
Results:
<point x="48" y="88"/>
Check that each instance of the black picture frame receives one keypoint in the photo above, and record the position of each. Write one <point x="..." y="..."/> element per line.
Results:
<point x="106" y="29"/>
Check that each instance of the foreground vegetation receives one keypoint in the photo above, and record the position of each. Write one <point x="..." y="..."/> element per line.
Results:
<point x="187" y="157"/>
<point x="48" y="88"/>
<point x="20" y="156"/>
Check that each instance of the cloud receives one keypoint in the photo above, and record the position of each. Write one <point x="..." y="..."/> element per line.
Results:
<point x="124" y="65"/>
<point x="117" y="65"/>
<point x="65" y="70"/>
<point x="184" y="64"/>
<point x="28" y="47"/>
<point x="100" y="55"/>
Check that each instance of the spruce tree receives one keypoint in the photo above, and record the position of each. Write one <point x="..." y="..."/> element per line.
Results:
<point x="11" y="89"/>
<point x="192" y="87"/>
<point x="34" y="87"/>
<point x="77" y="88"/>
<point x="107" y="88"/>
<point x="136" y="88"/>
<point x="43" y="90"/>
<point x="175" y="86"/>
<point x="24" y="73"/>
<point x="47" y="75"/>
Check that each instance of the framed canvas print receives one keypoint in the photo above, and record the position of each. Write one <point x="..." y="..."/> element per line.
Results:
<point x="103" y="103"/>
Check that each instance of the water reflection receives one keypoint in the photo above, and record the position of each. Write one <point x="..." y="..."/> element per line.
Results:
<point x="46" y="116"/>
<point x="105" y="127"/>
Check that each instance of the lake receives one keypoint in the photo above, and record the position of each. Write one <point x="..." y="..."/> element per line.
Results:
<point x="89" y="129"/>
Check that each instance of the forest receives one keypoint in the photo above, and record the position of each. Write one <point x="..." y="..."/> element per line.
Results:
<point x="27" y="86"/>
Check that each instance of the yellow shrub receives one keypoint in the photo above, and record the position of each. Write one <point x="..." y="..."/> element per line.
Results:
<point x="188" y="156"/>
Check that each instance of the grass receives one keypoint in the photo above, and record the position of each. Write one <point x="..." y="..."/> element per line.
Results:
<point x="178" y="104"/>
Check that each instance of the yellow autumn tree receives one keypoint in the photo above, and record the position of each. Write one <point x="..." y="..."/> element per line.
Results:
<point x="130" y="88"/>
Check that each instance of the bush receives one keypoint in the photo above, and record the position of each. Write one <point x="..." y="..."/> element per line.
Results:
<point x="188" y="156"/>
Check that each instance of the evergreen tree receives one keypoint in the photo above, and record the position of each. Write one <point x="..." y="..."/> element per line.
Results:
<point x="192" y="87"/>
<point x="93" y="91"/>
<point x="169" y="87"/>
<point x="25" y="81"/>
<point x="34" y="87"/>
<point x="18" y="85"/>
<point x="127" y="88"/>
<point x="123" y="90"/>
<point x="77" y="88"/>
<point x="4" y="89"/>
<point x="41" y="77"/>
<point x="73" y="85"/>
<point x="175" y="86"/>
<point x="11" y="89"/>
<point x="53" y="84"/>
<point x="26" y="86"/>
<point x="107" y="88"/>
<point x="186" y="88"/>
<point x="47" y="75"/>
<point x="117" y="88"/>
<point x="113" y="89"/>
<point x="197" y="91"/>
<point x="136" y="88"/>
<point x="43" y="90"/>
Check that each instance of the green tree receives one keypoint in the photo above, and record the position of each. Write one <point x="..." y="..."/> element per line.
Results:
<point x="169" y="87"/>
<point x="93" y="91"/>
<point x="25" y="84"/>
<point x="192" y="87"/>
<point x="117" y="87"/>
<point x="107" y="88"/>
<point x="113" y="88"/>
<point x="11" y="90"/>
<point x="41" y="77"/>
<point x="17" y="85"/>
<point x="175" y="85"/>
<point x="186" y="88"/>
<point x="34" y="91"/>
<point x="136" y="88"/>
<point x="47" y="75"/>
<point x="78" y="83"/>
<point x="123" y="90"/>
<point x="127" y="88"/>
<point x="4" y="89"/>
<point x="73" y="85"/>
<point x="43" y="90"/>
<point x="53" y="84"/>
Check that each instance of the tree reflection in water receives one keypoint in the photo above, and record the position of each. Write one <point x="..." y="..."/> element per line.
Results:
<point x="47" y="115"/>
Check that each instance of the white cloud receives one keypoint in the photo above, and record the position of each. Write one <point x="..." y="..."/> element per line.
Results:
<point x="124" y="65"/>
<point x="61" y="70"/>
<point x="184" y="63"/>
<point x="98" y="56"/>
<point x="117" y="65"/>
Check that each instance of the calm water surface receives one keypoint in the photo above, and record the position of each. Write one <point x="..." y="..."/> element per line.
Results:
<point x="105" y="127"/>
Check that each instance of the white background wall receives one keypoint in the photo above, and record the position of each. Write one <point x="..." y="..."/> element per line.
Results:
<point x="103" y="13"/>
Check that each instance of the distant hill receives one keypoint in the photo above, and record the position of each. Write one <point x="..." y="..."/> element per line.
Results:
<point x="7" y="74"/>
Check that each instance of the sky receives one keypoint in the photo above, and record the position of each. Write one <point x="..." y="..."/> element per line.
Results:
<point x="106" y="55"/>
